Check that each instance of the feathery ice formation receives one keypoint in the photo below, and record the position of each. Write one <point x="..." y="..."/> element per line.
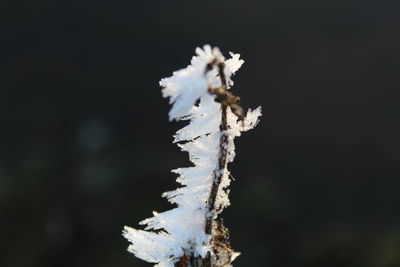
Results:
<point x="180" y="232"/>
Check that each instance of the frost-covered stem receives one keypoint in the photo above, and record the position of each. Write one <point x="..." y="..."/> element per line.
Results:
<point x="222" y="164"/>
<point x="191" y="234"/>
<point x="212" y="210"/>
<point x="222" y="161"/>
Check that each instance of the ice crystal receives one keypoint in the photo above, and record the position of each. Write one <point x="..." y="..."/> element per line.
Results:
<point x="181" y="230"/>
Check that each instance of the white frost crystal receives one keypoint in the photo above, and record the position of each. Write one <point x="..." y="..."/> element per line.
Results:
<point x="182" y="229"/>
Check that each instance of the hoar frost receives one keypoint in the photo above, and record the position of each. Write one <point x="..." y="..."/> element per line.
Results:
<point x="181" y="231"/>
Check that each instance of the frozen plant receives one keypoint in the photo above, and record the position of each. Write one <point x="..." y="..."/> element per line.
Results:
<point x="192" y="234"/>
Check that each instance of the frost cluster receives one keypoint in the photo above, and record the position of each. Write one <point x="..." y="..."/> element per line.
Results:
<point x="180" y="231"/>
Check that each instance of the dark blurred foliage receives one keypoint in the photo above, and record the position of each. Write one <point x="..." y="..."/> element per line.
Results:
<point x="85" y="143"/>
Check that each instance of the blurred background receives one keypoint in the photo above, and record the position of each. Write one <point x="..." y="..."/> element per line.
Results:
<point x="86" y="146"/>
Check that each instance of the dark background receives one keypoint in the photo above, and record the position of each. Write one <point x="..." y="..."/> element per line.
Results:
<point x="86" y="146"/>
